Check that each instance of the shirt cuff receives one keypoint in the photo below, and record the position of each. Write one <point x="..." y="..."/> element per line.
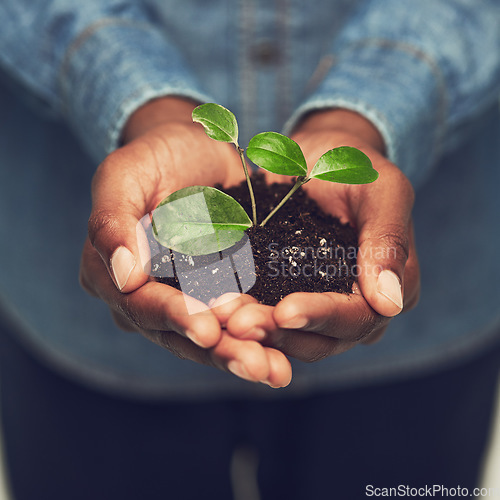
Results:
<point x="396" y="86"/>
<point x="112" y="69"/>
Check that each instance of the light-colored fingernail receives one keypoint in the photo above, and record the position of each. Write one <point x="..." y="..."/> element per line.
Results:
<point x="122" y="264"/>
<point x="255" y="333"/>
<point x="270" y="385"/>
<point x="193" y="337"/>
<point x="296" y="322"/>
<point x="388" y="285"/>
<point x="237" y="368"/>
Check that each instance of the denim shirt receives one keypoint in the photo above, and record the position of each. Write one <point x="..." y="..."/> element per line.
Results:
<point x="426" y="73"/>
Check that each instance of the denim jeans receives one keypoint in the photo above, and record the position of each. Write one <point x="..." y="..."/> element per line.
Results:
<point x="66" y="441"/>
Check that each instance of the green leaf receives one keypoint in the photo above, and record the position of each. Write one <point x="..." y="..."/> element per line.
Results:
<point x="277" y="153"/>
<point x="199" y="220"/>
<point x="219" y="123"/>
<point x="346" y="165"/>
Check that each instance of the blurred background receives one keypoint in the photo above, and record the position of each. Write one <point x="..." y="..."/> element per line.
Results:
<point x="245" y="490"/>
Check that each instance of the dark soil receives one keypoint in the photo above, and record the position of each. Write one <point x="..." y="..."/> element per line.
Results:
<point x="300" y="249"/>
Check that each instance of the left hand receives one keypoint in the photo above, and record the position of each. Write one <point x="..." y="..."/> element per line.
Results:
<point x="164" y="151"/>
<point x="311" y="326"/>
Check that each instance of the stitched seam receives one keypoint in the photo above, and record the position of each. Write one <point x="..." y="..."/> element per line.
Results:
<point x="283" y="80"/>
<point x="247" y="70"/>
<point x="424" y="57"/>
<point x="319" y="74"/>
<point x="80" y="40"/>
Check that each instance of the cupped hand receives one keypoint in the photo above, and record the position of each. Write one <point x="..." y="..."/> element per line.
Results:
<point x="311" y="326"/>
<point x="164" y="151"/>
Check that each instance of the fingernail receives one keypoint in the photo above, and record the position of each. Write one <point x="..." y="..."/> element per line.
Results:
<point x="296" y="322"/>
<point x="193" y="337"/>
<point x="122" y="264"/>
<point x="237" y="368"/>
<point x="270" y="385"/>
<point x="255" y="333"/>
<point x="388" y="285"/>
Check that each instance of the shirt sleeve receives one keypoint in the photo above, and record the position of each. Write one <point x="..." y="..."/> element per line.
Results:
<point x="419" y="70"/>
<point x="92" y="62"/>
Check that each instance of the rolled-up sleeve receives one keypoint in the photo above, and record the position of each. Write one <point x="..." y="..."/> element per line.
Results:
<point x="418" y="70"/>
<point x="92" y="62"/>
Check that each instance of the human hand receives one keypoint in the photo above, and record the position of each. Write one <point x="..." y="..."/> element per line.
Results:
<point x="311" y="326"/>
<point x="164" y="151"/>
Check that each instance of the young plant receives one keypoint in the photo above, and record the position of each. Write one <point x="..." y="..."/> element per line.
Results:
<point x="199" y="220"/>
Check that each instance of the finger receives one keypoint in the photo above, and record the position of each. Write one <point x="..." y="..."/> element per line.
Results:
<point x="247" y="360"/>
<point x="384" y="241"/>
<point x="280" y="369"/>
<point x="300" y="344"/>
<point x="307" y="312"/>
<point x="153" y="306"/>
<point x="411" y="282"/>
<point x="341" y="316"/>
<point x="115" y="231"/>
<point x="225" y="305"/>
<point x="244" y="358"/>
<point x="251" y="322"/>
<point x="306" y="346"/>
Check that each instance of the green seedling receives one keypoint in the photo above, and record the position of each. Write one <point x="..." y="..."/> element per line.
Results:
<point x="199" y="220"/>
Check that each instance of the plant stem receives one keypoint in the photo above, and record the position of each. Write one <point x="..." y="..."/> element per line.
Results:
<point x="241" y="151"/>
<point x="299" y="182"/>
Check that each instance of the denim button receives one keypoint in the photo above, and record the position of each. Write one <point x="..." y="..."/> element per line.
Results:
<point x="265" y="53"/>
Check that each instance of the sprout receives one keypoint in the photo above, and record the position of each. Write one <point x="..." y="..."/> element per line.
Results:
<point x="199" y="220"/>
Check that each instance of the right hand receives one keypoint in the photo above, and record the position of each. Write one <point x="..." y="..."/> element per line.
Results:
<point x="165" y="151"/>
<point x="312" y="326"/>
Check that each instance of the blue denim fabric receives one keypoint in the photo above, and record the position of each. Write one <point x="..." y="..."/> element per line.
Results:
<point x="427" y="73"/>
<point x="418" y="70"/>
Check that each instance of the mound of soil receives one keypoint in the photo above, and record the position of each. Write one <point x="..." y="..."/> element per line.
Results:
<point x="301" y="249"/>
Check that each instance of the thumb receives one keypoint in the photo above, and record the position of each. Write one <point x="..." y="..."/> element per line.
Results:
<point x="382" y="256"/>
<point x="121" y="242"/>
<point x="386" y="242"/>
<point x="115" y="227"/>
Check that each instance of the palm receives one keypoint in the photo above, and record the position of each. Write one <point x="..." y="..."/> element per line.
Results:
<point x="310" y="326"/>
<point x="172" y="157"/>
<point x="129" y="184"/>
<point x="334" y="199"/>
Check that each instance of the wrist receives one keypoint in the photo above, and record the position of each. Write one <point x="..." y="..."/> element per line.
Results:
<point x="342" y="120"/>
<point x="158" y="112"/>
